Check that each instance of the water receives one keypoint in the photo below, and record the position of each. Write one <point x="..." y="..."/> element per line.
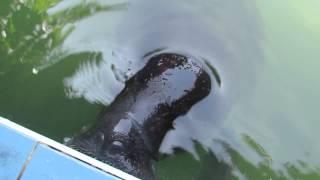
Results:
<point x="62" y="61"/>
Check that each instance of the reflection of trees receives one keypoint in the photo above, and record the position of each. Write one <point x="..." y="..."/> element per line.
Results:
<point x="183" y="166"/>
<point x="28" y="33"/>
<point x="28" y="36"/>
<point x="264" y="169"/>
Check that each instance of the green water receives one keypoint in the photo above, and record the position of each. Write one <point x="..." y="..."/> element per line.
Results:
<point x="62" y="61"/>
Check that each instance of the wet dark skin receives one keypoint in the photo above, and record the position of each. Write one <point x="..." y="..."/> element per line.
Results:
<point x="129" y="132"/>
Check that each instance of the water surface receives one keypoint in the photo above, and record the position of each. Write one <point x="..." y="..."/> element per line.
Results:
<point x="62" y="61"/>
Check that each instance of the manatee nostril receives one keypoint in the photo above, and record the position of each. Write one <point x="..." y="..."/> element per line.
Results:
<point x="115" y="147"/>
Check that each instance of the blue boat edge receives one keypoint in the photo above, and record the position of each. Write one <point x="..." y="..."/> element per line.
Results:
<point x="19" y="138"/>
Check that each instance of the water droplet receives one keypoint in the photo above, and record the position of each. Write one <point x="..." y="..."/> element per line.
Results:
<point x="10" y="51"/>
<point x="34" y="71"/>
<point x="4" y="34"/>
<point x="44" y="26"/>
<point x="67" y="140"/>
<point x="18" y="7"/>
<point x="4" y="21"/>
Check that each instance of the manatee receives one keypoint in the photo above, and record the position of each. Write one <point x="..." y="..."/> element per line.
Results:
<point x="128" y="133"/>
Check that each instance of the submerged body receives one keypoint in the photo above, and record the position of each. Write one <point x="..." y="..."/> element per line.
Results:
<point x="129" y="132"/>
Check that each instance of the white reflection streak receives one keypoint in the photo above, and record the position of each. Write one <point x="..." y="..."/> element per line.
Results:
<point x="90" y="82"/>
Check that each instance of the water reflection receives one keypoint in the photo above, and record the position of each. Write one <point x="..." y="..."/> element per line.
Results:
<point x="209" y="167"/>
<point x="82" y="52"/>
<point x="91" y="81"/>
<point x="232" y="54"/>
<point x="265" y="170"/>
<point x="30" y="35"/>
<point x="29" y="43"/>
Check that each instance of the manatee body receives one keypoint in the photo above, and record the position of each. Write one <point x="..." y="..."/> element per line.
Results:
<point x="129" y="132"/>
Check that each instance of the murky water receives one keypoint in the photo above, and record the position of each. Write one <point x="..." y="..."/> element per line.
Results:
<point x="62" y="61"/>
